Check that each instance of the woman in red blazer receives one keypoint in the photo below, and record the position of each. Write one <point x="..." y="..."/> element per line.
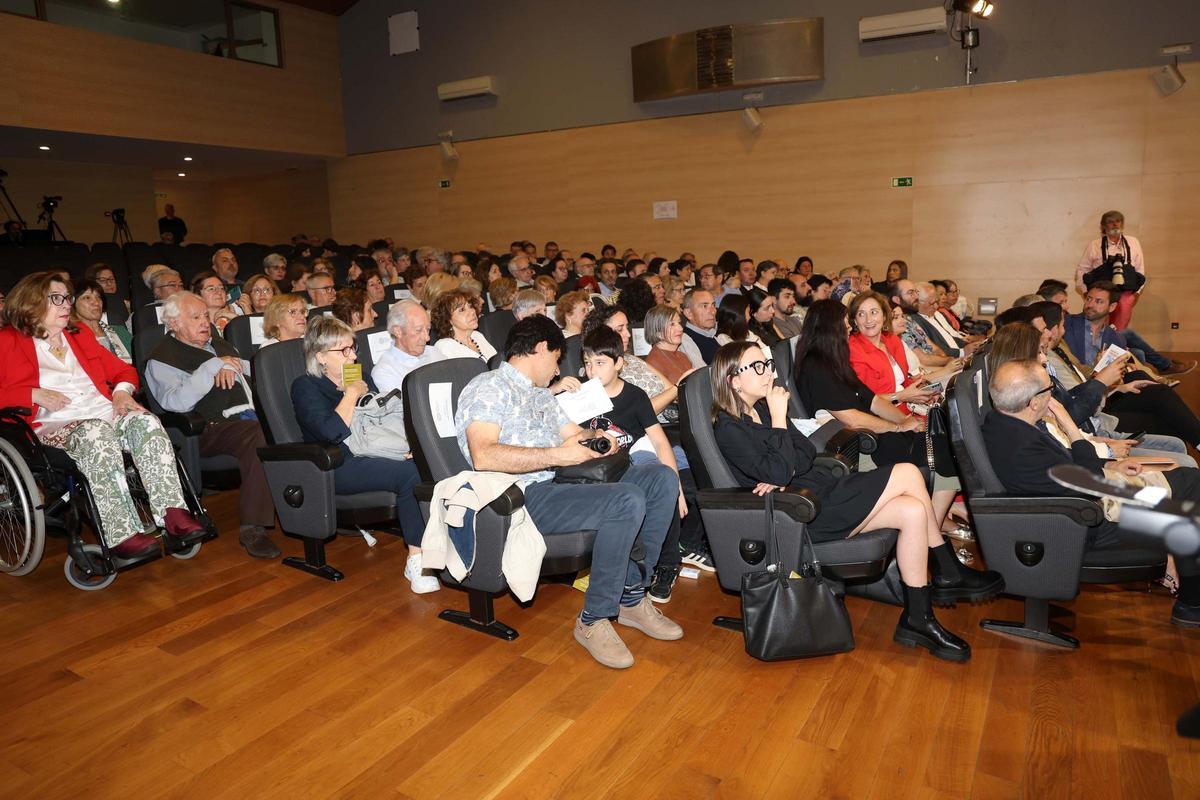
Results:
<point x="80" y="398"/>
<point x="877" y="358"/>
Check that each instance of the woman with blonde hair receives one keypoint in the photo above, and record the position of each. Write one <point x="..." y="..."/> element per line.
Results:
<point x="285" y="318"/>
<point x="436" y="285"/>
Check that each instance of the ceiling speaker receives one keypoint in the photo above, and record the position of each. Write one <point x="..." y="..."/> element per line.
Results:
<point x="1168" y="79"/>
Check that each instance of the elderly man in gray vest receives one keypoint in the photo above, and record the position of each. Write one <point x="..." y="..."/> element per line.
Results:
<point x="193" y="370"/>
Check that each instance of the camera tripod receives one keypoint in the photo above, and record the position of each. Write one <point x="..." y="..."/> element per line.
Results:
<point x="8" y="209"/>
<point x="52" y="227"/>
<point x="121" y="234"/>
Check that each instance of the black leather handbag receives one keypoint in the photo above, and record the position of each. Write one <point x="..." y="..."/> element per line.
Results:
<point x="938" y="454"/>
<point x="605" y="469"/>
<point x="792" y="617"/>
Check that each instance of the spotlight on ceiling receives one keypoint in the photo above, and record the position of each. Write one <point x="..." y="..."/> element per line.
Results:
<point x="181" y="174"/>
<point x="43" y="147"/>
<point x="979" y="8"/>
<point x="187" y="158"/>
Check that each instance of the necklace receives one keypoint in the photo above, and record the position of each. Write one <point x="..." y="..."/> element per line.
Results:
<point x="59" y="351"/>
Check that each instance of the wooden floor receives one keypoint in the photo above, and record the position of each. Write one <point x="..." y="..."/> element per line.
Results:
<point x="227" y="677"/>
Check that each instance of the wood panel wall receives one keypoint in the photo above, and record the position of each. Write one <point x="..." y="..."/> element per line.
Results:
<point x="1010" y="181"/>
<point x="62" y="78"/>
<point x="271" y="208"/>
<point x="88" y="190"/>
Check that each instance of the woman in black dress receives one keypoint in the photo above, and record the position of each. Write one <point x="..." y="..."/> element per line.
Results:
<point x="750" y="418"/>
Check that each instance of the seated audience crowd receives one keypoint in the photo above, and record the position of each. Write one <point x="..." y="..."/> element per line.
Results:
<point x="876" y="357"/>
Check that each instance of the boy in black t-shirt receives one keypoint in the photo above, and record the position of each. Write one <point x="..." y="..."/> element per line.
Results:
<point x="632" y="415"/>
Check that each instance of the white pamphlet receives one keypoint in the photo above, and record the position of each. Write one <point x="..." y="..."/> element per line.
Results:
<point x="378" y="342"/>
<point x="640" y="346"/>
<point x="1109" y="356"/>
<point x="590" y="401"/>
<point x="442" y="407"/>
<point x="256" y="330"/>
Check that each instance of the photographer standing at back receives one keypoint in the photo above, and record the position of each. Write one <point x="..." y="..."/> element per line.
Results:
<point x="1110" y="258"/>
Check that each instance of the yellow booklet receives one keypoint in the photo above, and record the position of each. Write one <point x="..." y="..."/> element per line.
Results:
<point x="351" y="373"/>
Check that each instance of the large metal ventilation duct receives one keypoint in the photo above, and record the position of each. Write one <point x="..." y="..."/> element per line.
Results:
<point x="729" y="57"/>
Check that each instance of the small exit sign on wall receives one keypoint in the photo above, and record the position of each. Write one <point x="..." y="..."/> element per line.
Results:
<point x="444" y="183"/>
<point x="898" y="183"/>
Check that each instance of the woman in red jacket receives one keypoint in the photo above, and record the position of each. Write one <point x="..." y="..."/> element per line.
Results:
<point x="878" y="359"/>
<point x="81" y="400"/>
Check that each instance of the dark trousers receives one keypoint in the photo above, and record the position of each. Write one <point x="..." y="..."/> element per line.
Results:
<point x="641" y="504"/>
<point x="365" y="474"/>
<point x="1155" y="409"/>
<point x="241" y="439"/>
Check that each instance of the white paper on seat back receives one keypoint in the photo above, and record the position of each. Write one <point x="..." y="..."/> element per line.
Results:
<point x="442" y="407"/>
<point x="256" y="330"/>
<point x="640" y="346"/>
<point x="158" y="312"/>
<point x="401" y="294"/>
<point x="378" y="343"/>
<point x="590" y="401"/>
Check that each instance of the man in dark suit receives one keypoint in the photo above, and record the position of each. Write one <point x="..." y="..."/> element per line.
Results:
<point x="1022" y="451"/>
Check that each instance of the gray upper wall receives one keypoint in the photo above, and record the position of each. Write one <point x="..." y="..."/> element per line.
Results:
<point x="565" y="63"/>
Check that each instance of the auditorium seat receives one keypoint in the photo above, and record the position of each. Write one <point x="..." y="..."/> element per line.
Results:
<point x="1036" y="543"/>
<point x="438" y="457"/>
<point x="300" y="474"/>
<point x="240" y="332"/>
<point x="734" y="518"/>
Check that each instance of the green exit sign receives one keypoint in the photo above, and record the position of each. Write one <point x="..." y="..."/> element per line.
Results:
<point x="901" y="182"/>
<point x="445" y="183"/>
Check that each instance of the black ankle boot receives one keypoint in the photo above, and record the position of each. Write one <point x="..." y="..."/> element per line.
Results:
<point x="919" y="628"/>
<point x="953" y="582"/>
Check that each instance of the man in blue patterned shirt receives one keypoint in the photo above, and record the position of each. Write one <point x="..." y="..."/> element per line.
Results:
<point x="508" y="421"/>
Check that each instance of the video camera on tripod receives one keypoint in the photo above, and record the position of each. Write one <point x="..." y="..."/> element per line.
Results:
<point x="121" y="232"/>
<point x="48" y="205"/>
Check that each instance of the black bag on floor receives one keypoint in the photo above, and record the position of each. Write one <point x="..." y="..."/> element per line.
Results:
<point x="787" y="617"/>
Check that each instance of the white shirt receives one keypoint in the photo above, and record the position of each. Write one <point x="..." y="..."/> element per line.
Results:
<point x="395" y="364"/>
<point x="947" y="330"/>
<point x="450" y="348"/>
<point x="68" y="377"/>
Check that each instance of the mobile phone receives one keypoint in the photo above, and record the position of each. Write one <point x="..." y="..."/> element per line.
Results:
<point x="1139" y="435"/>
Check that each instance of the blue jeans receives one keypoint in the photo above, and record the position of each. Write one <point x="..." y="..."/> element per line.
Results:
<point x="367" y="474"/>
<point x="641" y="504"/>
<point x="1148" y="353"/>
<point x="1154" y="444"/>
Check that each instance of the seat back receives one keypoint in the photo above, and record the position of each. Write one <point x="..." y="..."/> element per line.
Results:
<point x="431" y="397"/>
<point x="144" y="342"/>
<point x="571" y="362"/>
<point x="709" y="467"/>
<point x="145" y="316"/>
<point x="275" y="368"/>
<point x="784" y="353"/>
<point x="372" y="342"/>
<point x="969" y="404"/>
<point x="241" y="332"/>
<point x="495" y="328"/>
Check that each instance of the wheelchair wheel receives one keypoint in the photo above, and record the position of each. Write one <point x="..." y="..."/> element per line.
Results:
<point x="190" y="552"/>
<point x="80" y="580"/>
<point x="22" y="523"/>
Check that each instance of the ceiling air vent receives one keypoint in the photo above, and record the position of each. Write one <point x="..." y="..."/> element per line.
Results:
<point x="729" y="57"/>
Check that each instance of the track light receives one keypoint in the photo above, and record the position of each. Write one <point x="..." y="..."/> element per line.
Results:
<point x="978" y="8"/>
<point x="752" y="119"/>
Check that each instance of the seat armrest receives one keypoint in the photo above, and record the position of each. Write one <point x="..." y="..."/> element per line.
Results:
<point x="799" y="504"/>
<point x="189" y="423"/>
<point x="325" y="457"/>
<point x="833" y="438"/>
<point x="838" y="464"/>
<point x="1079" y="509"/>
<point x="504" y="505"/>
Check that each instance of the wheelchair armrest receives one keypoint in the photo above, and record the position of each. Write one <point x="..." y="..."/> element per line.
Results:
<point x="799" y="504"/>
<point x="838" y="464"/>
<point x="325" y="457"/>
<point x="189" y="423"/>
<point x="504" y="505"/>
<point x="1079" y="509"/>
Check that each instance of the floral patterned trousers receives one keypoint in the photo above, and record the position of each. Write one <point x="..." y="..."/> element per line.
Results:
<point x="96" y="447"/>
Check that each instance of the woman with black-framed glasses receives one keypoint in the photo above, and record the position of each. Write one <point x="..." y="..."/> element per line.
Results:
<point x="766" y="454"/>
<point x="324" y="406"/>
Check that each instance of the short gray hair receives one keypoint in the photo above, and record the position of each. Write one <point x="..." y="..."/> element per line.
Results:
<point x="274" y="260"/>
<point x="397" y="316"/>
<point x="689" y="299"/>
<point x="427" y="253"/>
<point x="657" y="320"/>
<point x="172" y="306"/>
<point x="1014" y="385"/>
<point x="213" y="260"/>
<point x="322" y="334"/>
<point x="512" y="263"/>
<point x="161" y="275"/>
<point x="526" y="301"/>
<point x="1028" y="300"/>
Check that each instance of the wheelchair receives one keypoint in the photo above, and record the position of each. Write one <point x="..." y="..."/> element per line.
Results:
<point x="42" y="491"/>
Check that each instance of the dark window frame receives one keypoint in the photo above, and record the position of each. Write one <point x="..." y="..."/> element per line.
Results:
<point x="39" y="7"/>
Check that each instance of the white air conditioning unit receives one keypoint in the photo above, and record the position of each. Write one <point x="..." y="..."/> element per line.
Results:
<point x="906" y="23"/>
<point x="471" y="87"/>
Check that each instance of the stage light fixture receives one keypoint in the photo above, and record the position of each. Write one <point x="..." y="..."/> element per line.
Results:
<point x="978" y="8"/>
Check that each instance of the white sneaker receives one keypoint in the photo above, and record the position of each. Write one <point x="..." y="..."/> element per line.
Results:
<point x="420" y="583"/>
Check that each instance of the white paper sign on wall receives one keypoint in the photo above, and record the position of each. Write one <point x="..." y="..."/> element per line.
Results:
<point x="666" y="209"/>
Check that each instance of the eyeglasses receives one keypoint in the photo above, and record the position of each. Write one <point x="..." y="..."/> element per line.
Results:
<point x="106" y="281"/>
<point x="263" y="291"/>
<point x="1042" y="391"/>
<point x="759" y="367"/>
<point x="298" y="312"/>
<point x="351" y="350"/>
<point x="321" y="289"/>
<point x="60" y="299"/>
<point x="214" y="289"/>
<point x="174" y="285"/>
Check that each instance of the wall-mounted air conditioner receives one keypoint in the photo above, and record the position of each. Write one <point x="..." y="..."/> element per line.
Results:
<point x="906" y="23"/>
<point x="470" y="87"/>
